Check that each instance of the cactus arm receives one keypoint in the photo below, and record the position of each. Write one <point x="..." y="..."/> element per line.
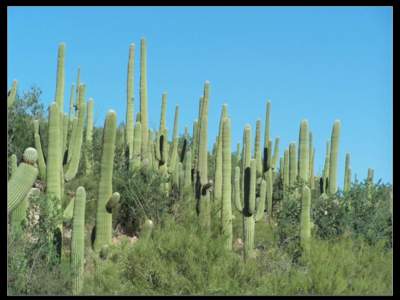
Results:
<point x="276" y="153"/>
<point x="89" y="138"/>
<point x="113" y="202"/>
<point x="174" y="152"/>
<point x="269" y="192"/>
<point x="69" y="210"/>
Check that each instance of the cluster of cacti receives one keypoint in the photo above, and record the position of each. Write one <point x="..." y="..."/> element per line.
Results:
<point x="246" y="178"/>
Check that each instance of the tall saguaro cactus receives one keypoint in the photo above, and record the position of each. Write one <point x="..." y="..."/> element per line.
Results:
<point x="276" y="154"/>
<point x="267" y="137"/>
<point x="143" y="97"/>
<point x="334" y="157"/>
<point x="89" y="138"/>
<point x="326" y="168"/>
<point x="226" y="211"/>
<point x="347" y="174"/>
<point x="22" y="180"/>
<point x="78" y="240"/>
<point x="38" y="146"/>
<point x="303" y="152"/>
<point x="137" y="142"/>
<point x="174" y="153"/>
<point x="292" y="164"/>
<point x="286" y="170"/>
<point x="129" y="101"/>
<point x="257" y="149"/>
<point x="103" y="217"/>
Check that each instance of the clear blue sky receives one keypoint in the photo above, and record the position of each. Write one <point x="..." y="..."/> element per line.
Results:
<point x="320" y="64"/>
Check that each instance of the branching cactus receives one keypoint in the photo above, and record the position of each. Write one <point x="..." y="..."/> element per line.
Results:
<point x="333" y="162"/>
<point x="187" y="182"/>
<point x="195" y="146"/>
<point x="103" y="217"/>
<point x="22" y="180"/>
<point x="60" y="84"/>
<point x="226" y="211"/>
<point x="129" y="101"/>
<point x="143" y="97"/>
<point x="72" y="167"/>
<point x="12" y="93"/>
<point x="248" y="210"/>
<point x="78" y="241"/>
<point x="65" y="134"/>
<point x="305" y="220"/>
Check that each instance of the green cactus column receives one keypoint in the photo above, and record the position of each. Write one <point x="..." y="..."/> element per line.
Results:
<point x="292" y="164"/>
<point x="267" y="137"/>
<point x="226" y="182"/>
<point x="78" y="83"/>
<point x="19" y="214"/>
<point x="203" y="186"/>
<point x="246" y="155"/>
<point x="38" y="146"/>
<point x="334" y="157"/>
<point x="276" y="154"/>
<point x="312" y="179"/>
<point x="347" y="174"/>
<point x="143" y="97"/>
<point x="103" y="217"/>
<point x="12" y="93"/>
<point x="326" y="168"/>
<point x="72" y="166"/>
<point x="71" y="105"/>
<point x="269" y="184"/>
<point x="249" y="203"/>
<point x="129" y="102"/>
<point x="303" y="162"/>
<point x="163" y="117"/>
<point x="218" y="162"/>
<point x="174" y="152"/>
<point x="310" y="161"/>
<point x="53" y="168"/>
<point x="65" y="134"/>
<point x="305" y="220"/>
<point x="22" y="180"/>
<point x="187" y="182"/>
<point x="147" y="229"/>
<point x="60" y="81"/>
<point x="137" y="144"/>
<point x="78" y="241"/>
<point x="89" y="138"/>
<point x="286" y="171"/>
<point x="14" y="165"/>
<point x="257" y="149"/>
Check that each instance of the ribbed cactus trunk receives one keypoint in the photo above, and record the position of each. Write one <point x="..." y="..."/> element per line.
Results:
<point x="78" y="241"/>
<point x="303" y="162"/>
<point x="22" y="179"/>
<point x="218" y="162"/>
<point x="203" y="188"/>
<point x="246" y="155"/>
<point x="292" y="165"/>
<point x="38" y="146"/>
<point x="347" y="174"/>
<point x="130" y="103"/>
<point x="326" y="168"/>
<point x="78" y="83"/>
<point x="89" y="138"/>
<point x="269" y="183"/>
<point x="60" y="84"/>
<point x="267" y="137"/>
<point x="143" y="97"/>
<point x="72" y="166"/>
<point x="334" y="157"/>
<point x="71" y="106"/>
<point x="187" y="182"/>
<point x="103" y="217"/>
<point x="275" y="157"/>
<point x="19" y="214"/>
<point x="305" y="220"/>
<point x="195" y="146"/>
<point x="286" y="170"/>
<point x="12" y="93"/>
<point x="310" y="161"/>
<point x="174" y="152"/>
<point x="137" y="144"/>
<point x="311" y="170"/>
<point x="226" y="182"/>
<point x="53" y="167"/>
<point x="249" y="202"/>
<point x="257" y="149"/>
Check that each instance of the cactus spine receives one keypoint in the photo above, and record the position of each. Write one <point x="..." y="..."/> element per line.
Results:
<point x="334" y="157"/>
<point x="292" y="164"/>
<point x="12" y="93"/>
<point x="305" y="220"/>
<point x="303" y="161"/>
<point x="78" y="241"/>
<point x="22" y="180"/>
<point x="257" y="149"/>
<point x="143" y="97"/>
<point x="226" y="210"/>
<point x="347" y="174"/>
<point x="89" y="138"/>
<point x="103" y="217"/>
<point x="38" y="146"/>
<point x="72" y="167"/>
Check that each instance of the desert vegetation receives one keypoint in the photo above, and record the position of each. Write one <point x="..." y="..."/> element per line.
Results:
<point x="129" y="210"/>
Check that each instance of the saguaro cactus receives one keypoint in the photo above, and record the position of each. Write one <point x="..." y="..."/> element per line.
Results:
<point x="12" y="94"/>
<point x="276" y="154"/>
<point x="269" y="186"/>
<point x="129" y="101"/>
<point x="326" y="168"/>
<point x="334" y="157"/>
<point x="303" y="162"/>
<point x="22" y="180"/>
<point x="257" y="149"/>
<point x="18" y="215"/>
<point x="305" y="220"/>
<point x="248" y="210"/>
<point x="267" y="136"/>
<point x="137" y="143"/>
<point x="71" y="105"/>
<point x="78" y="241"/>
<point x="38" y="146"/>
<point x="54" y="158"/>
<point x="292" y="164"/>
<point x="89" y="138"/>
<point x="103" y="217"/>
<point x="286" y="172"/>
<point x="143" y="97"/>
<point x="347" y="174"/>
<point x="226" y="211"/>
<point x="174" y="153"/>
